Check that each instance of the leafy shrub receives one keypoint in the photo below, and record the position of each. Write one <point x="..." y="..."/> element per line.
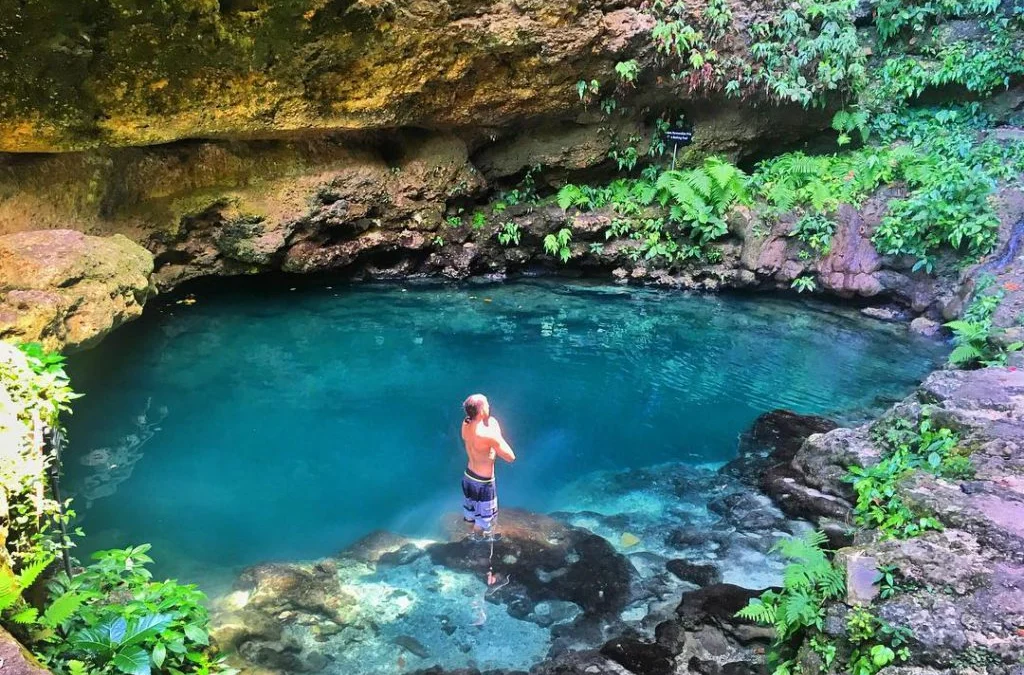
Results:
<point x="948" y="207"/>
<point x="908" y="448"/>
<point x="37" y="391"/>
<point x="816" y="231"/>
<point x="808" y="50"/>
<point x="627" y="70"/>
<point x="896" y="17"/>
<point x="876" y="644"/>
<point x="823" y="182"/>
<point x="804" y="283"/>
<point x="509" y="234"/>
<point x="124" y="622"/>
<point x="558" y="244"/>
<point x="687" y="41"/>
<point x="972" y="334"/>
<point x="809" y="581"/>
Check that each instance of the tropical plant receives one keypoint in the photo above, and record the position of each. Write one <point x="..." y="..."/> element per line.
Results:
<point x="973" y="334"/>
<point x="908" y="447"/>
<point x="816" y="232"/>
<point x="798" y="609"/>
<point x="127" y="623"/>
<point x="588" y="90"/>
<point x="627" y="70"/>
<point x="804" y="283"/>
<point x="509" y="234"/>
<point x="699" y="198"/>
<point x="557" y="244"/>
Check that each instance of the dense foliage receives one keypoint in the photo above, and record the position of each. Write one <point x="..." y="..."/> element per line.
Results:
<point x="35" y="391"/>
<point x="907" y="448"/>
<point x="797" y="612"/>
<point x="944" y="168"/>
<point x="110" y="617"/>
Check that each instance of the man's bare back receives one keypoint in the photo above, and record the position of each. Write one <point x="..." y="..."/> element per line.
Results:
<point x="484" y="442"/>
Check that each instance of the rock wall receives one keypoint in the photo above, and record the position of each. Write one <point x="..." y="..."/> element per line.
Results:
<point x="963" y="587"/>
<point x="87" y="74"/>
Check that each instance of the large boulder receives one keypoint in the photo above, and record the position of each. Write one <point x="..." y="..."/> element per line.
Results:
<point x="67" y="289"/>
<point x="15" y="659"/>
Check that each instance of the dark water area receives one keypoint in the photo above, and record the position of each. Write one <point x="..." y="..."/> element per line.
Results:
<point x="266" y="424"/>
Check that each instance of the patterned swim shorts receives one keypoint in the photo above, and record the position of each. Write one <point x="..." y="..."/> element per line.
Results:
<point x="480" y="503"/>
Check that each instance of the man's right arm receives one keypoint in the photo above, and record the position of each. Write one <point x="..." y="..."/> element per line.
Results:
<point x="501" y="447"/>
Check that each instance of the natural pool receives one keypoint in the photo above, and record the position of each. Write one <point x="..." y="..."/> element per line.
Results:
<point x="263" y="423"/>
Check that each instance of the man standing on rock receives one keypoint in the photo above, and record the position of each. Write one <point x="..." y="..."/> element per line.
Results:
<point x="482" y="435"/>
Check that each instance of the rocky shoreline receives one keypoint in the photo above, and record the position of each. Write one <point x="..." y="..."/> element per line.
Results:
<point x="650" y="599"/>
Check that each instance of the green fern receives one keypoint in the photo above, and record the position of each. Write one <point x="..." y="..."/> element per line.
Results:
<point x="31" y="572"/>
<point x="26" y="616"/>
<point x="62" y="609"/>
<point x="760" y="611"/>
<point x="809" y="581"/>
<point x="571" y="195"/>
<point x="10" y="591"/>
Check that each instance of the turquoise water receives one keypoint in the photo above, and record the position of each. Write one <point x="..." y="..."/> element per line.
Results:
<point x="263" y="423"/>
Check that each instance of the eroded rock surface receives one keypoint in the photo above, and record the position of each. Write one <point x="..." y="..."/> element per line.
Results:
<point x="64" y="288"/>
<point x="598" y="587"/>
<point x="963" y="587"/>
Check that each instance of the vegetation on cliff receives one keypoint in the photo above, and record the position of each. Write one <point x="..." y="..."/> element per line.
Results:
<point x="814" y="583"/>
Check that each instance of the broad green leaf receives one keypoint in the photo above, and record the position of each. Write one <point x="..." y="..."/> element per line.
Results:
<point x="132" y="660"/>
<point x="197" y="634"/>
<point x="159" y="654"/>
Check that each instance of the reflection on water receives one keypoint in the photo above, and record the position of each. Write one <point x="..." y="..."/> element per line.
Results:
<point x="112" y="465"/>
<point x="302" y="420"/>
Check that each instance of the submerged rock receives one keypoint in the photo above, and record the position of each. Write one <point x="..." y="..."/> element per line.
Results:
<point x="695" y="573"/>
<point x="548" y="560"/>
<point x="313" y="589"/>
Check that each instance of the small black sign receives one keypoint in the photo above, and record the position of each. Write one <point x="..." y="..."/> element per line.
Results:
<point x="680" y="137"/>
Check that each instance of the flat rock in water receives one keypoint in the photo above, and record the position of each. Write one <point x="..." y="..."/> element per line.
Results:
<point x="412" y="645"/>
<point x="695" y="573"/>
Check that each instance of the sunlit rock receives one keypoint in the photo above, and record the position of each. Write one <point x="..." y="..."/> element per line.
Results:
<point x="67" y="289"/>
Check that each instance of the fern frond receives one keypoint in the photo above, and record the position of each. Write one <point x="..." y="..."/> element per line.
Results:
<point x="759" y="611"/>
<point x="701" y="183"/>
<point x="964" y="353"/>
<point x="568" y="196"/>
<point x="28" y="576"/>
<point x="26" y="616"/>
<point x="61" y="609"/>
<point x="10" y="591"/>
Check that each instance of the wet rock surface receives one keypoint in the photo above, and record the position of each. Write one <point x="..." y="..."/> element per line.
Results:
<point x="548" y="561"/>
<point x="593" y="590"/>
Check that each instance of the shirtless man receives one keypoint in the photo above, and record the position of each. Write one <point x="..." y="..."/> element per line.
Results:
<point x="482" y="435"/>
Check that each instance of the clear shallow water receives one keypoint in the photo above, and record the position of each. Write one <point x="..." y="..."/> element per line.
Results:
<point x="265" y="424"/>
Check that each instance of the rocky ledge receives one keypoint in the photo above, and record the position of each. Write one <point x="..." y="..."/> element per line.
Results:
<point x="961" y="588"/>
<point x="67" y="289"/>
